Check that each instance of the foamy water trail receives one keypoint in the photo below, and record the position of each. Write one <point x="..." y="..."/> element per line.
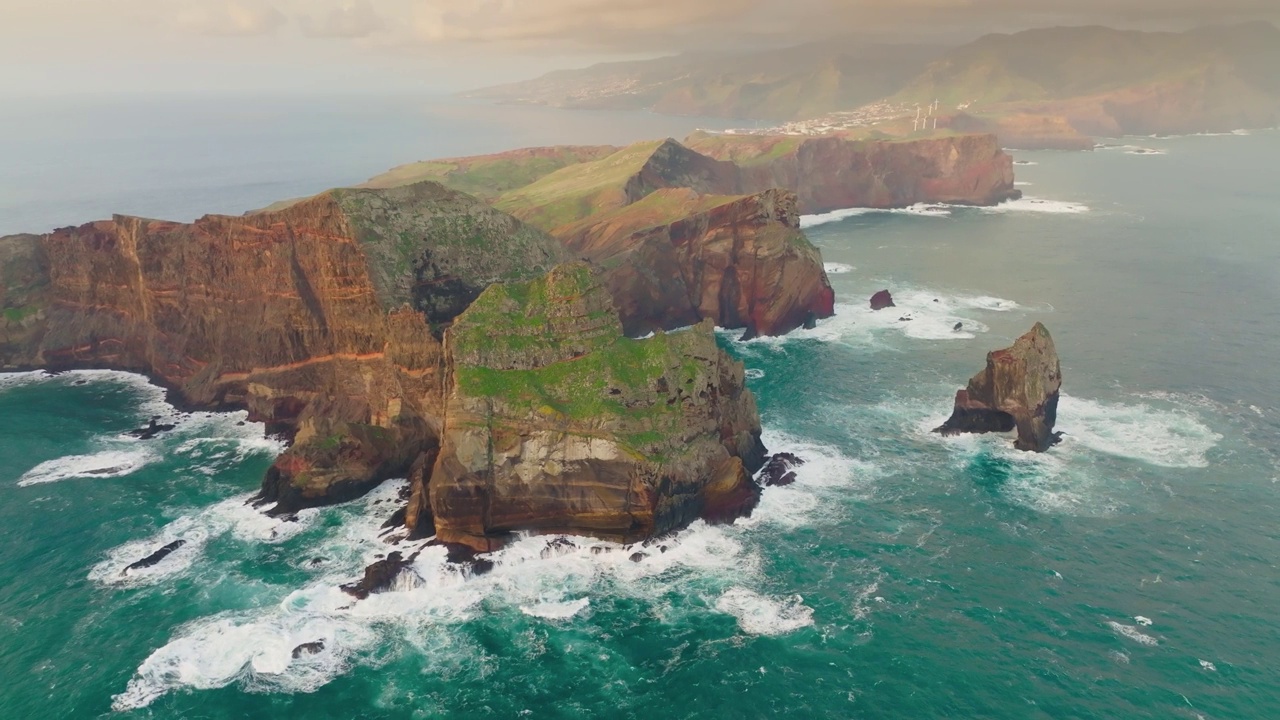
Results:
<point x="920" y="314"/>
<point x="1132" y="633"/>
<point x="763" y="615"/>
<point x="834" y="268"/>
<point x="216" y="440"/>
<point x="555" y="580"/>
<point x="105" y="464"/>
<point x="233" y="517"/>
<point x="1069" y="478"/>
<point x="917" y="210"/>
<point x="1029" y="204"/>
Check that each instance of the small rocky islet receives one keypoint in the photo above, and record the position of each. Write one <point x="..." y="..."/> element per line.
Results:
<point x="533" y="349"/>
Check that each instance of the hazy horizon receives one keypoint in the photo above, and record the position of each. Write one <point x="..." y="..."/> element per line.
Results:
<point x="438" y="47"/>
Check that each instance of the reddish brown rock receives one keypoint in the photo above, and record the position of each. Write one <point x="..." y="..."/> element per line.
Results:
<point x="882" y="300"/>
<point x="739" y="261"/>
<point x="556" y="423"/>
<point x="832" y="172"/>
<point x="317" y="319"/>
<point x="1017" y="390"/>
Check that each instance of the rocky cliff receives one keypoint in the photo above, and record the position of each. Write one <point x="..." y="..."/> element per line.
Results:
<point x="834" y="172"/>
<point x="557" y="423"/>
<point x="740" y="261"/>
<point x="321" y="319"/>
<point x="1018" y="390"/>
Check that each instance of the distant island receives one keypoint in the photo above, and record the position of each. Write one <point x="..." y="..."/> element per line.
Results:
<point x="1046" y="88"/>
<point x="528" y="336"/>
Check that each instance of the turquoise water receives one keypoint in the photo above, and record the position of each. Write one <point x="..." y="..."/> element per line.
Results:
<point x="1129" y="573"/>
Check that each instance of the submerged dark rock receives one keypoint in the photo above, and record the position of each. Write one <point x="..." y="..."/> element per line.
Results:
<point x="958" y="326"/>
<point x="882" y="300"/>
<point x="1017" y="390"/>
<point x="155" y="557"/>
<point x="311" y="648"/>
<point x="151" y="430"/>
<point x="777" y="471"/>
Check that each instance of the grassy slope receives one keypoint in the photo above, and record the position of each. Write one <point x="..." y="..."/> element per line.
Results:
<point x="596" y="390"/>
<point x="488" y="176"/>
<point x="577" y="191"/>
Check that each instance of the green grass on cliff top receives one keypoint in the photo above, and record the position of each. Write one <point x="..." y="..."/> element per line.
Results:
<point x="609" y="390"/>
<point x="574" y="192"/>
<point x="489" y="176"/>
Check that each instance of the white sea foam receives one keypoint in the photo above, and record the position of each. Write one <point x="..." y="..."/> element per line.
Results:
<point x="918" y="314"/>
<point x="530" y="576"/>
<point x="826" y="478"/>
<point x="1025" y="162"/>
<point x="1132" y="633"/>
<point x="1028" y="203"/>
<point x="226" y="438"/>
<point x="1022" y="183"/>
<point x="762" y="615"/>
<point x="835" y="268"/>
<point x="556" y="610"/>
<point x="1166" y="438"/>
<point x="232" y="517"/>
<point x="1143" y="621"/>
<point x="754" y="373"/>
<point x="550" y="578"/>
<point x="919" y="209"/>
<point x="105" y="464"/>
<point x="1206" y="665"/>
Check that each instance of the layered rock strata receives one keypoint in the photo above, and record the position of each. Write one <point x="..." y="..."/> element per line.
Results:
<point x="741" y="262"/>
<point x="558" y="423"/>
<point x="321" y="319"/>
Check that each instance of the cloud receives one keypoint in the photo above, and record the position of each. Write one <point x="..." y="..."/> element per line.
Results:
<point x="231" y="18"/>
<point x="656" y="25"/>
<point x="587" y="24"/>
<point x="356" y="19"/>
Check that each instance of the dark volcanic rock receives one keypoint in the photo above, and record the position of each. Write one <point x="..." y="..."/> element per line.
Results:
<point x="1017" y="390"/>
<point x="311" y="648"/>
<point x="776" y="471"/>
<point x="151" y="430"/>
<point x="156" y="556"/>
<point x="882" y="300"/>
<point x="380" y="576"/>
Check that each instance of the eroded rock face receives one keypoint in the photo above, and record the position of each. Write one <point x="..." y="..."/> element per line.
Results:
<point x="313" y="318"/>
<point x="739" y="261"/>
<point x="1017" y="390"/>
<point x="557" y="423"/>
<point x="831" y="172"/>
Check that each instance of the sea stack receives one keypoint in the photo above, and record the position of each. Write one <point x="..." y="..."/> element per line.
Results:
<point x="882" y="300"/>
<point x="1017" y="390"/>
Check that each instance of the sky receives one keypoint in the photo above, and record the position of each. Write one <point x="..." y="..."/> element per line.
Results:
<point x="427" y="46"/>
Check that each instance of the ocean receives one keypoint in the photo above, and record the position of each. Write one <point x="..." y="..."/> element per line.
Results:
<point x="1130" y="572"/>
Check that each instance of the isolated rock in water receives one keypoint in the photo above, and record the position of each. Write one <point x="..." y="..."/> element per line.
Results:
<point x="958" y="327"/>
<point x="1017" y="390"/>
<point x="155" y="557"/>
<point x="311" y="648"/>
<point x="151" y="430"/>
<point x="882" y="300"/>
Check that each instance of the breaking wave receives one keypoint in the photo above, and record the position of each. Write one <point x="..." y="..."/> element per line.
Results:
<point x="546" y="578"/>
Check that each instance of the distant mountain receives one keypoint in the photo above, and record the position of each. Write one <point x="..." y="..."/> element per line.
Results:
<point x="1113" y="82"/>
<point x="1085" y="80"/>
<point x="790" y="83"/>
